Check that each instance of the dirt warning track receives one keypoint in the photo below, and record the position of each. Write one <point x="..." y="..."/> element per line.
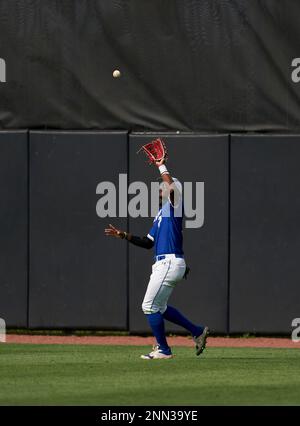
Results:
<point x="255" y="342"/>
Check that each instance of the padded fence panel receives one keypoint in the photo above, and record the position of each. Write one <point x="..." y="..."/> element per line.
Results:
<point x="13" y="227"/>
<point x="265" y="233"/>
<point x="77" y="275"/>
<point x="203" y="297"/>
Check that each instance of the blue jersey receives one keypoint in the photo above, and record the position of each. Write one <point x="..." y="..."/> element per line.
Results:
<point x="166" y="231"/>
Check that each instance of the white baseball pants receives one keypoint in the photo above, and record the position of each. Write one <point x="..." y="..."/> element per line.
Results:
<point x="165" y="275"/>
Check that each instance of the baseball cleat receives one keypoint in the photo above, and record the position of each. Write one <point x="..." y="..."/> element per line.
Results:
<point x="200" y="341"/>
<point x="158" y="354"/>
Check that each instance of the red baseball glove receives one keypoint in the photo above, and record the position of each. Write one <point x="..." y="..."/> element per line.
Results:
<point x="155" y="151"/>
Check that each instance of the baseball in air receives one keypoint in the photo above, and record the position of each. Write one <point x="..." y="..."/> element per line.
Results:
<point x="116" y="74"/>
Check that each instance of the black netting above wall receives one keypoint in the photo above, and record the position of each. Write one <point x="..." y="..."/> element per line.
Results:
<point x="193" y="65"/>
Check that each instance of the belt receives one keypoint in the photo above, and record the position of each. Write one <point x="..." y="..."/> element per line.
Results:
<point x="168" y="256"/>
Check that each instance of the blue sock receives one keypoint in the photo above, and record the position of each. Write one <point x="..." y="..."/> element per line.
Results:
<point x="157" y="324"/>
<point x="173" y="315"/>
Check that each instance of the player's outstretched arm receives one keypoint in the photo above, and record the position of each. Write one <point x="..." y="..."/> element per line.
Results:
<point x="143" y="242"/>
<point x="114" y="232"/>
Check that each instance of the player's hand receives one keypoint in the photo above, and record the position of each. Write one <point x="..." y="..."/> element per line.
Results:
<point x="161" y="162"/>
<point x="113" y="232"/>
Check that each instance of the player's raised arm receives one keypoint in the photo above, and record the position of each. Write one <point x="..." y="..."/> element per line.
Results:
<point x="164" y="172"/>
<point x="170" y="186"/>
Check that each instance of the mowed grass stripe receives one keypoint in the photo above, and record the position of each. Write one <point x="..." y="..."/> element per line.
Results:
<point x="115" y="375"/>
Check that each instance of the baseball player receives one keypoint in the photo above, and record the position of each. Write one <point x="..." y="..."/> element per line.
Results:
<point x="169" y="267"/>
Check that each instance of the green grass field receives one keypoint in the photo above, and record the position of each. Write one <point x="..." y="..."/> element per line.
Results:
<point x="114" y="375"/>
